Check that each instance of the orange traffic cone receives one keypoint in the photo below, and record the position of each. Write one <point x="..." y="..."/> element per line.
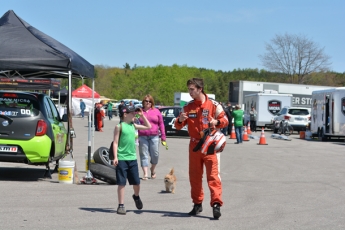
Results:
<point x="233" y="134"/>
<point x="245" y="135"/>
<point x="248" y="129"/>
<point x="262" y="138"/>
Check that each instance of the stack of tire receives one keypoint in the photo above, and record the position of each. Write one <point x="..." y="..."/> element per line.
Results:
<point x="103" y="169"/>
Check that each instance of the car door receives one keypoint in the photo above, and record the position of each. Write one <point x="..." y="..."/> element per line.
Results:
<point x="57" y="126"/>
<point x="167" y="117"/>
<point x="170" y="114"/>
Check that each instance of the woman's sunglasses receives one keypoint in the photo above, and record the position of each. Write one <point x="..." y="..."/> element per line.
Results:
<point x="148" y="101"/>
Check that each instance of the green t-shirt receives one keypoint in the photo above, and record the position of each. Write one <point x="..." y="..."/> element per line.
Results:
<point x="238" y="117"/>
<point x="110" y="107"/>
<point x="127" y="149"/>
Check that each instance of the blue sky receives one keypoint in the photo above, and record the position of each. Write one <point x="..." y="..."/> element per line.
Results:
<point x="219" y="35"/>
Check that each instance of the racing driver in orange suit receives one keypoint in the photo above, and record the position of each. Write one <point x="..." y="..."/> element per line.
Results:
<point x="198" y="114"/>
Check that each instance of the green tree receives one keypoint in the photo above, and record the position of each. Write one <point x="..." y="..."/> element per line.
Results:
<point x="296" y="56"/>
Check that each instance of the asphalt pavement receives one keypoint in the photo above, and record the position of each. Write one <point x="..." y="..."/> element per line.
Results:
<point x="296" y="184"/>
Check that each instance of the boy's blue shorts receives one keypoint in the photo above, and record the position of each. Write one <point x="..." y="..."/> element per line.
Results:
<point x="127" y="170"/>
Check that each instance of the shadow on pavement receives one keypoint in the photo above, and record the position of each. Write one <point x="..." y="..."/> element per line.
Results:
<point x="168" y="213"/>
<point x="107" y="210"/>
<point x="163" y="213"/>
<point x="22" y="174"/>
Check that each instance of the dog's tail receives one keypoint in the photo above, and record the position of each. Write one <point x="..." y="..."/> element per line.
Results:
<point x="171" y="171"/>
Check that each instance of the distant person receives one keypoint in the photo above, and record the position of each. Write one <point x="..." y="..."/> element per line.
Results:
<point x="125" y="156"/>
<point x="82" y="108"/>
<point x="252" y="117"/>
<point x="120" y="108"/>
<point x="110" y="110"/>
<point x="99" y="117"/>
<point x="95" y="113"/>
<point x="149" y="139"/>
<point x="104" y="113"/>
<point x="223" y="130"/>
<point x="228" y="110"/>
<point x="237" y="114"/>
<point x="226" y="129"/>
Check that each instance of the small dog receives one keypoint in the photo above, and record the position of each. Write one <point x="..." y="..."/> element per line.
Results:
<point x="170" y="181"/>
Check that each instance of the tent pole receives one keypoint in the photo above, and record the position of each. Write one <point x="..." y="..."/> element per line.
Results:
<point x="93" y="115"/>
<point x="70" y="127"/>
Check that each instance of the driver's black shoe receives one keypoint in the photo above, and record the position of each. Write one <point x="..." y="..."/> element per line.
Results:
<point x="216" y="211"/>
<point x="197" y="208"/>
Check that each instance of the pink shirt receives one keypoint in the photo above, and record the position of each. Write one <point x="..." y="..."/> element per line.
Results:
<point x="155" y="118"/>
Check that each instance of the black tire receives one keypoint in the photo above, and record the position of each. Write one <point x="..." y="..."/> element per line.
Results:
<point x="103" y="172"/>
<point x="275" y="130"/>
<point x="101" y="156"/>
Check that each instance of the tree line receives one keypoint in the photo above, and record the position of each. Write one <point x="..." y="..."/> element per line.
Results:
<point x="163" y="81"/>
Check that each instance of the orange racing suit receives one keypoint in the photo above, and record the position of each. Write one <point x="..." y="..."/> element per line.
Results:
<point x="198" y="117"/>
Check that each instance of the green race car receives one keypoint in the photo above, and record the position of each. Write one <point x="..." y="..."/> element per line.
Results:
<point x="31" y="129"/>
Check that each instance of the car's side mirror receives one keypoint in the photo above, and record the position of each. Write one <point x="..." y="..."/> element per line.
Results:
<point x="64" y="118"/>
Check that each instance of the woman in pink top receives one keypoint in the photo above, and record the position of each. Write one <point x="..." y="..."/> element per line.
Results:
<point x="149" y="139"/>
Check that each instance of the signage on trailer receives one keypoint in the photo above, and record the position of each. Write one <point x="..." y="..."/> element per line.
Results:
<point x="274" y="106"/>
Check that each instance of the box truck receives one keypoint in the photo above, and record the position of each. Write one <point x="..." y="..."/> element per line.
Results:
<point x="267" y="104"/>
<point x="180" y="99"/>
<point x="328" y="113"/>
<point x="301" y="93"/>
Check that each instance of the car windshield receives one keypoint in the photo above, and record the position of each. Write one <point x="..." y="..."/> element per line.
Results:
<point x="18" y="105"/>
<point x="302" y="112"/>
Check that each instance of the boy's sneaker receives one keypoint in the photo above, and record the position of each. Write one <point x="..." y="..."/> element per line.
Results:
<point x="138" y="202"/>
<point x="121" y="210"/>
<point x="197" y="208"/>
<point x="216" y="211"/>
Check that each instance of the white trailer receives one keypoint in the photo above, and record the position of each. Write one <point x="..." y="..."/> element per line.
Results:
<point x="267" y="104"/>
<point x="301" y="93"/>
<point x="328" y="113"/>
<point x="180" y="98"/>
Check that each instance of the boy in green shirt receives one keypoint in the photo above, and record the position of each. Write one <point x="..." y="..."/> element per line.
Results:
<point x="125" y="156"/>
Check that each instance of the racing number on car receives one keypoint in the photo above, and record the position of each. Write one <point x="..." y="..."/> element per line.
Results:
<point x="25" y="111"/>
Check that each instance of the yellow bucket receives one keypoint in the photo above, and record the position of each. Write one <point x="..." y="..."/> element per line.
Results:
<point x="66" y="172"/>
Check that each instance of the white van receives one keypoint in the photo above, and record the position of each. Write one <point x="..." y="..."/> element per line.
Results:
<point x="328" y="113"/>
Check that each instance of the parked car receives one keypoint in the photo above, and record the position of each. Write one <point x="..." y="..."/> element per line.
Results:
<point x="31" y="129"/>
<point x="297" y="117"/>
<point x="126" y="101"/>
<point x="170" y="113"/>
<point x="137" y="104"/>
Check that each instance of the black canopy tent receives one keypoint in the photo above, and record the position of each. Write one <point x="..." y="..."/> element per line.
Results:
<point x="26" y="52"/>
